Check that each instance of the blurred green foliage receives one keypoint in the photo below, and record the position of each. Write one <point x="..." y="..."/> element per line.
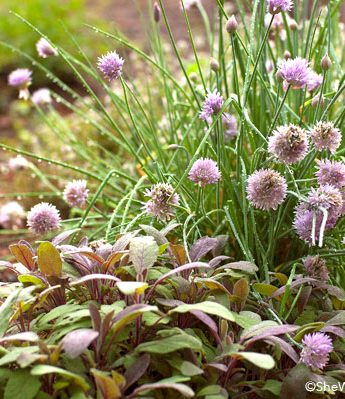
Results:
<point x="47" y="16"/>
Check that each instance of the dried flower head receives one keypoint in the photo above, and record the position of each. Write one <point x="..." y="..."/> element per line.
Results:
<point x="41" y="97"/>
<point x="315" y="267"/>
<point x="316" y="350"/>
<point x="43" y="217"/>
<point x="12" y="215"/>
<point x="162" y="202"/>
<point x="76" y="193"/>
<point x="230" y="125"/>
<point x="266" y="189"/>
<point x="331" y="172"/>
<point x="325" y="136"/>
<point x="110" y="65"/>
<point x="276" y="6"/>
<point x="45" y="49"/>
<point x="18" y="163"/>
<point x="289" y="143"/>
<point x="204" y="171"/>
<point x="294" y="72"/>
<point x="211" y="106"/>
<point x="314" y="81"/>
<point x="21" y="79"/>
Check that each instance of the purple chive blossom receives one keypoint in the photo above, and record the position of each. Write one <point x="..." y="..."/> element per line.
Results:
<point x="162" y="201"/>
<point x="111" y="65"/>
<point x="314" y="81"/>
<point x="316" y="350"/>
<point x="21" y="79"/>
<point x="329" y="198"/>
<point x="204" y="171"/>
<point x="266" y="189"/>
<point x="325" y="197"/>
<point x="12" y="215"/>
<point x="294" y="72"/>
<point x="230" y="124"/>
<point x="276" y="6"/>
<point x="41" y="97"/>
<point x="45" y="49"/>
<point x="289" y="143"/>
<point x="43" y="218"/>
<point x="325" y="136"/>
<point x="331" y="172"/>
<point x="18" y="163"/>
<point x="76" y="193"/>
<point x="315" y="267"/>
<point x="211" y="106"/>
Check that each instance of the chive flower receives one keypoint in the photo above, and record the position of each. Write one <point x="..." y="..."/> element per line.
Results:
<point x="111" y="65"/>
<point x="162" y="201"/>
<point x="211" y="106"/>
<point x="41" y="97"/>
<point x="325" y="136"/>
<point x="316" y="350"/>
<point x="45" y="49"/>
<point x="315" y="80"/>
<point x="230" y="126"/>
<point x="276" y="6"/>
<point x="331" y="172"/>
<point x="266" y="189"/>
<point x="289" y="143"/>
<point x="18" y="163"/>
<point x="204" y="171"/>
<point x="11" y="215"/>
<point x="21" y="79"/>
<point x="76" y="193"/>
<point x="43" y="217"/>
<point x="294" y="72"/>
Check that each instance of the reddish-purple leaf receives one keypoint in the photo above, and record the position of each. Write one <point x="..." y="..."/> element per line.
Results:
<point x="340" y="332"/>
<point x="272" y="331"/>
<point x="193" y="265"/>
<point x="63" y="236"/>
<point x="137" y="370"/>
<point x="294" y="284"/>
<point x="201" y="247"/>
<point x="77" y="341"/>
<point x="284" y="346"/>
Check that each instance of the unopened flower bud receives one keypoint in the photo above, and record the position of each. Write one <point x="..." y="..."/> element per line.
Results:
<point x="279" y="76"/>
<point x="232" y="25"/>
<point x="214" y="65"/>
<point x="287" y="54"/>
<point x="315" y="101"/>
<point x="326" y="62"/>
<point x="293" y="25"/>
<point x="173" y="147"/>
<point x="156" y="12"/>
<point x="193" y="77"/>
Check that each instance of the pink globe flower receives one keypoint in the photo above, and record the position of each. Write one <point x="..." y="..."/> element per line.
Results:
<point x="294" y="72"/>
<point x="111" y="65"/>
<point x="41" y="97"/>
<point x="76" y="193"/>
<point x="204" y="171"/>
<point x="331" y="172"/>
<point x="276" y="6"/>
<point x="162" y="201"/>
<point x="326" y="136"/>
<point x="289" y="143"/>
<point x="21" y="79"/>
<point x="266" y="189"/>
<point x="43" y="217"/>
<point x="45" y="49"/>
<point x="12" y="215"/>
<point x="211" y="106"/>
<point x="316" y="350"/>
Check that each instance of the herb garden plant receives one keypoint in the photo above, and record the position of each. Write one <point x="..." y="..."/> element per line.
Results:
<point x="200" y="196"/>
